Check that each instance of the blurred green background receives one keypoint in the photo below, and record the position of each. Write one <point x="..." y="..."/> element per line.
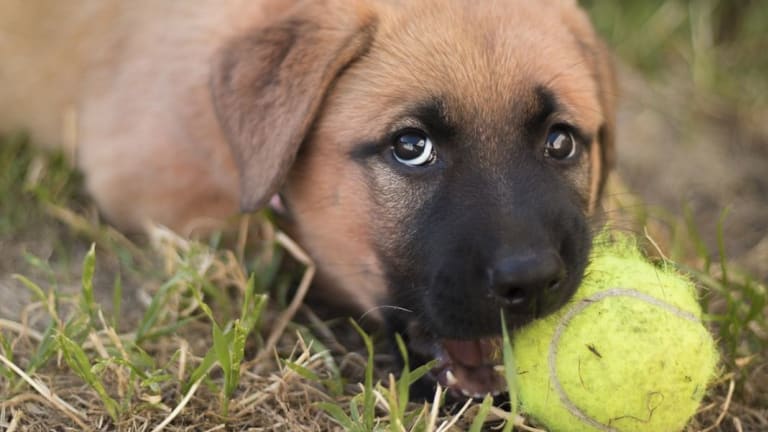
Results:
<point x="721" y="44"/>
<point x="693" y="117"/>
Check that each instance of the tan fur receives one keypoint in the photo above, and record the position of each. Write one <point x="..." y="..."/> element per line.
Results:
<point x="136" y="74"/>
<point x="153" y="142"/>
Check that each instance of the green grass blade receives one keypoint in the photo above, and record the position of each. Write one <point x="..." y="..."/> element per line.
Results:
<point x="77" y="360"/>
<point x="196" y="293"/>
<point x="482" y="414"/>
<point x="201" y="370"/>
<point x="404" y="383"/>
<point x="420" y="371"/>
<point x="41" y="265"/>
<point x="35" y="288"/>
<point x="155" y="307"/>
<point x="221" y="346"/>
<point x="173" y="327"/>
<point x="354" y="412"/>
<point x="369" y="402"/>
<point x="87" y="298"/>
<point x="117" y="298"/>
<point x="45" y="349"/>
<point x="303" y="372"/>
<point x="236" y="358"/>
<point x="509" y="375"/>
<point x="250" y="286"/>
<point x="337" y="414"/>
<point x="721" y="246"/>
<point x="5" y="345"/>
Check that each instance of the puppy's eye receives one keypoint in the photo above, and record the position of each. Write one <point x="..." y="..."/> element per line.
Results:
<point x="413" y="149"/>
<point x="560" y="144"/>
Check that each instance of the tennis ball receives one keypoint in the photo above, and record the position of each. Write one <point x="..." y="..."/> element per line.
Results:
<point x="628" y="353"/>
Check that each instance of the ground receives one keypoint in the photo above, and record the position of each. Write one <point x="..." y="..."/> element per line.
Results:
<point x="693" y="158"/>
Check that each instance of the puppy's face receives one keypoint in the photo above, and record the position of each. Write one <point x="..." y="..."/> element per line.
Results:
<point x="451" y="170"/>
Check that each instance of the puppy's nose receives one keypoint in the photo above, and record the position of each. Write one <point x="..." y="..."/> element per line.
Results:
<point x="520" y="281"/>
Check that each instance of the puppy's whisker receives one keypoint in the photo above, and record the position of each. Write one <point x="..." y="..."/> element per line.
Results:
<point x="377" y="308"/>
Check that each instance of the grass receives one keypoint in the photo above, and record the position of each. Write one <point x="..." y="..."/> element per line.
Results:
<point x="714" y="43"/>
<point x="173" y="334"/>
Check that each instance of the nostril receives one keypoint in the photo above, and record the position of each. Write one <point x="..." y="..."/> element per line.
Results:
<point x="510" y="295"/>
<point x="515" y="297"/>
<point x="521" y="280"/>
<point x="554" y="285"/>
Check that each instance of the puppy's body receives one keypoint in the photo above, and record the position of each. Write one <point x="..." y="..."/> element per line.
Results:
<point x="186" y="108"/>
<point x="134" y="78"/>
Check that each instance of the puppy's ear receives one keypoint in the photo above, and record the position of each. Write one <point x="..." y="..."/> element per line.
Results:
<point x="268" y="86"/>
<point x="600" y="61"/>
<point x="604" y="160"/>
<point x="609" y="91"/>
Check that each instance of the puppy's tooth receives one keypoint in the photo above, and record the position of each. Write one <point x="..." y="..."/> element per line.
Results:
<point x="495" y="392"/>
<point x="478" y="396"/>
<point x="465" y="393"/>
<point x="499" y="369"/>
<point x="450" y="378"/>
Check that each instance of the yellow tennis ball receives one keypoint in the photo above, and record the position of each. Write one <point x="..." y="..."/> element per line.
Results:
<point x="628" y="353"/>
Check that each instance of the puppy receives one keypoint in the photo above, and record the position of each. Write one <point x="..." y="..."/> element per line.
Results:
<point x="441" y="159"/>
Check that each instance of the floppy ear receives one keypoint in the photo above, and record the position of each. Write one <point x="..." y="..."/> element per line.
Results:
<point x="268" y="86"/>
<point x="598" y="58"/>
<point x="609" y="91"/>
<point x="604" y="160"/>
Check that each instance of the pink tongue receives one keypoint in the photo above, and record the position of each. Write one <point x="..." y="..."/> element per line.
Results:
<point x="478" y="381"/>
<point x="473" y="353"/>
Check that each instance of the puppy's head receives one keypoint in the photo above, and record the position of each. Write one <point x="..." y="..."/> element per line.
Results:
<point x="439" y="157"/>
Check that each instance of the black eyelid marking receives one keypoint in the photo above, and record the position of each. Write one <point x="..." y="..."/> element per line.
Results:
<point x="430" y="116"/>
<point x="546" y="106"/>
<point x="373" y="147"/>
<point x="545" y="116"/>
<point x="367" y="149"/>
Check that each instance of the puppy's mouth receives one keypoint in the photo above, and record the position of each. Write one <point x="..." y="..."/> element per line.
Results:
<point x="472" y="368"/>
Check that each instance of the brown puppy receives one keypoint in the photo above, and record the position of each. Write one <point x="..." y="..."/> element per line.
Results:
<point x="439" y="156"/>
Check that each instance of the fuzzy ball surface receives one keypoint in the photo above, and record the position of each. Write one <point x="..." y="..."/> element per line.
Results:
<point x="628" y="353"/>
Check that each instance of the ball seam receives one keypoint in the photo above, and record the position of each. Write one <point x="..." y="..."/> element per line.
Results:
<point x="575" y="310"/>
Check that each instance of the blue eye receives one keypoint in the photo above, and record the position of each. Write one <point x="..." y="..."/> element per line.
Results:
<point x="413" y="149"/>
<point x="560" y="144"/>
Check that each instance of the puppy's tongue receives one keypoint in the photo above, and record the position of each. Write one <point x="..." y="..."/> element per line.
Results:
<point x="465" y="367"/>
<point x="471" y="366"/>
<point x="474" y="353"/>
